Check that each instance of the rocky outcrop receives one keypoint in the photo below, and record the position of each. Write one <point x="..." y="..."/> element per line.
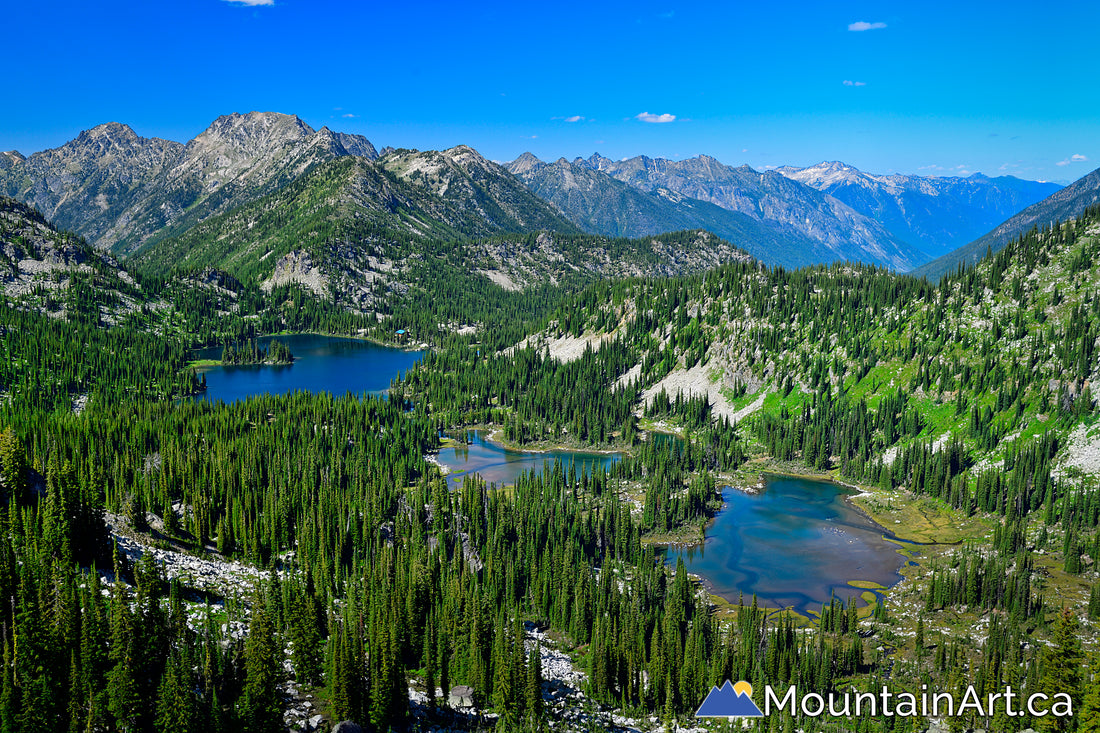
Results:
<point x="477" y="187"/>
<point x="38" y="263"/>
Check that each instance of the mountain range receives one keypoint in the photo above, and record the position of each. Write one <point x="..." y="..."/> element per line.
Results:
<point x="841" y="232"/>
<point x="1064" y="204"/>
<point x="128" y="194"/>
<point x="121" y="191"/>
<point x="936" y="214"/>
<point x="600" y="204"/>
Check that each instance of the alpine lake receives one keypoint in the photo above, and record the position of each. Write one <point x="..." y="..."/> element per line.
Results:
<point x="796" y="543"/>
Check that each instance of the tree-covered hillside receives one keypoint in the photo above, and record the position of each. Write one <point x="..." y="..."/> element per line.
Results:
<point x="180" y="565"/>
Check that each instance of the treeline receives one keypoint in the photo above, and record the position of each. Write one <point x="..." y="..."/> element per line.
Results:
<point x="250" y="352"/>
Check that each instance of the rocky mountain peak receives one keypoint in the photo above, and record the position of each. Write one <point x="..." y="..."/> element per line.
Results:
<point x="354" y="144"/>
<point x="106" y="144"/>
<point x="524" y="163"/>
<point x="596" y="161"/>
<point x="111" y="131"/>
<point x="465" y="154"/>
<point x="119" y="189"/>
<point x="252" y="131"/>
<point x="824" y="174"/>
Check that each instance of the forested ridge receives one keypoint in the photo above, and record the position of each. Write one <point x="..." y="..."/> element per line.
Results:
<point x="373" y="577"/>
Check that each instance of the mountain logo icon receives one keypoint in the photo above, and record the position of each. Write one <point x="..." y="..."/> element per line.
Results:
<point x="729" y="701"/>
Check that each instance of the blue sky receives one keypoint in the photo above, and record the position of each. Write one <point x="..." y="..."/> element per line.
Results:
<point x="930" y="88"/>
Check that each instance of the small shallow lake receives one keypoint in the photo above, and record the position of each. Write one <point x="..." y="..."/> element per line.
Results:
<point x="502" y="466"/>
<point x="321" y="364"/>
<point x="796" y="543"/>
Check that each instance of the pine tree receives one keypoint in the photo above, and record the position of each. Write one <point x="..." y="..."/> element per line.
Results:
<point x="305" y="639"/>
<point x="259" y="705"/>
<point x="1062" y="665"/>
<point x="1088" y="716"/>
<point x="533" y="687"/>
<point x="177" y="710"/>
<point x="13" y="465"/>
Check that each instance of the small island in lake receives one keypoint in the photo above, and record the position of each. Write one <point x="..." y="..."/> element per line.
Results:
<point x="251" y="353"/>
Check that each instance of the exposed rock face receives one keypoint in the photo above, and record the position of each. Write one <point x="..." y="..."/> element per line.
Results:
<point x="841" y="232"/>
<point x="38" y="264"/>
<point x="88" y="183"/>
<point x="936" y="214"/>
<point x="120" y="190"/>
<point x="478" y="187"/>
<point x="298" y="267"/>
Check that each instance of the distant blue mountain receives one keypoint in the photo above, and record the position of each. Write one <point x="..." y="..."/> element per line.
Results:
<point x="935" y="214"/>
<point x="725" y="702"/>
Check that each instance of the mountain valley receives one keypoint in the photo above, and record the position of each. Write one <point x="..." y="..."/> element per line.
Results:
<point x="286" y="560"/>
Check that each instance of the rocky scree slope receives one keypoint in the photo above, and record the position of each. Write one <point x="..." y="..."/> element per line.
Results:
<point x="52" y="271"/>
<point x="483" y="190"/>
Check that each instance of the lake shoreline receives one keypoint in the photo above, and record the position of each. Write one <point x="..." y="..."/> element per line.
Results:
<point x="493" y="434"/>
<point x="337" y="365"/>
<point x="842" y="550"/>
<point x="204" y="363"/>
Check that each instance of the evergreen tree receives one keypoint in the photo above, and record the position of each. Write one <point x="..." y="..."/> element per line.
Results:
<point x="1062" y="665"/>
<point x="259" y="708"/>
<point x="1088" y="715"/>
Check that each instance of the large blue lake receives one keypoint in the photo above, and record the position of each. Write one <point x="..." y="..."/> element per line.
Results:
<point x="794" y="544"/>
<point x="321" y="364"/>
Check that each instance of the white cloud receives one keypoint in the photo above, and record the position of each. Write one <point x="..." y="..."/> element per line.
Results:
<point x="850" y="83"/>
<point x="349" y="116"/>
<point x="1075" y="158"/>
<point x="862" y="25"/>
<point x="574" y="118"/>
<point x="252" y="2"/>
<point x="658" y="119"/>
